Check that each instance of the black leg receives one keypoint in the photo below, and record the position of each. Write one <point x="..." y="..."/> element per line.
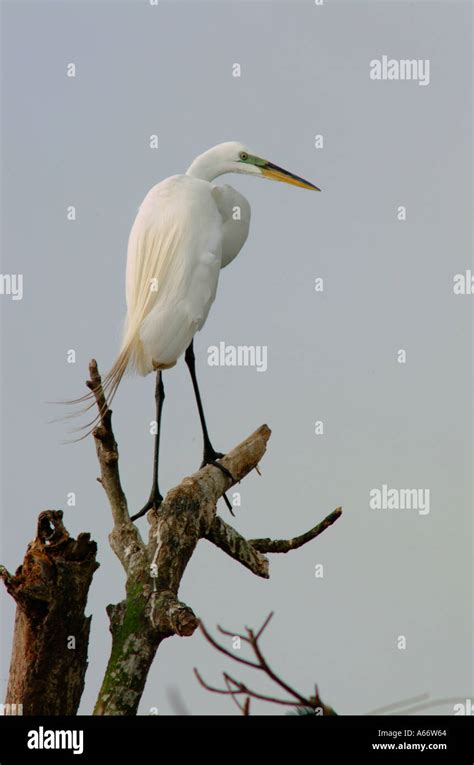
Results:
<point x="156" y="498"/>
<point x="210" y="456"/>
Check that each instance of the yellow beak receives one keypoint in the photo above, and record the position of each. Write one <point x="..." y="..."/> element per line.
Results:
<point x="275" y="173"/>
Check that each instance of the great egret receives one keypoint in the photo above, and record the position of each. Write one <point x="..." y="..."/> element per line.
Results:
<point x="186" y="230"/>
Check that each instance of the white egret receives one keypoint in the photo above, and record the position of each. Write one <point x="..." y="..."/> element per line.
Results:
<point x="186" y="230"/>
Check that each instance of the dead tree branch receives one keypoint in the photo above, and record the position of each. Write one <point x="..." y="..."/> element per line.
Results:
<point x="151" y="610"/>
<point x="235" y="688"/>
<point x="231" y="542"/>
<point x="50" y="641"/>
<point x="285" y="545"/>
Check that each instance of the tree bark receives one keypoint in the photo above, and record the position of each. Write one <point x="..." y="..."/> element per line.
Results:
<point x="49" y="656"/>
<point x="51" y="635"/>
<point x="151" y="610"/>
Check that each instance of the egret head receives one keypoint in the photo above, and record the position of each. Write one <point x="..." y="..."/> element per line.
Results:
<point x="234" y="157"/>
<point x="251" y="163"/>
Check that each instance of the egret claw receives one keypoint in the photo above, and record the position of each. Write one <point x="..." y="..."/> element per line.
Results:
<point x="154" y="502"/>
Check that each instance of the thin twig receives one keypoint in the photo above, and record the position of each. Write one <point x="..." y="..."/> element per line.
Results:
<point x="225" y="651"/>
<point x="264" y="625"/>
<point x="235" y="687"/>
<point x="285" y="545"/>
<point x="273" y="676"/>
<point x="240" y="707"/>
<point x="242" y="688"/>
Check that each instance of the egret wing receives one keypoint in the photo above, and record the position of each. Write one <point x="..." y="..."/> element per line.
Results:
<point x="173" y="263"/>
<point x="235" y="211"/>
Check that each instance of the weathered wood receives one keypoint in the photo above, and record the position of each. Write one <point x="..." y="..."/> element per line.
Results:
<point x="285" y="545"/>
<point x="234" y="544"/>
<point x="51" y="635"/>
<point x="46" y="675"/>
<point x="151" y="610"/>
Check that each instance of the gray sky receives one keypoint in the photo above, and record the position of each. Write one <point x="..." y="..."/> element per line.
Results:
<point x="332" y="356"/>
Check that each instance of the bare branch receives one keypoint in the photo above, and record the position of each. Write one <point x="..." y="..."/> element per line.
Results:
<point x="264" y="626"/>
<point x="225" y="651"/>
<point x="189" y="510"/>
<point x="265" y="667"/>
<point x="248" y="552"/>
<point x="107" y="451"/>
<point x="151" y="610"/>
<point x="231" y="542"/>
<point x="221" y="691"/>
<point x="230" y="634"/>
<point x="95" y="385"/>
<point x="244" y="689"/>
<point x="246" y="638"/>
<point x="285" y="545"/>
<point x="243" y="708"/>
<point x="236" y="687"/>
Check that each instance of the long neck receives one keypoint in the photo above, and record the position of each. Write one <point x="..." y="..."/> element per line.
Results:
<point x="207" y="166"/>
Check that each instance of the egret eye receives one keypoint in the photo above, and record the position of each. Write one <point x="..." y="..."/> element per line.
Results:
<point x="244" y="155"/>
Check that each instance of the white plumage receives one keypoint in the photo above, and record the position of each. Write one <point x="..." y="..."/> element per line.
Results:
<point x="172" y="271"/>
<point x="186" y="230"/>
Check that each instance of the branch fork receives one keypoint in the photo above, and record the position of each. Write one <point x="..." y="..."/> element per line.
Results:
<point x="152" y="611"/>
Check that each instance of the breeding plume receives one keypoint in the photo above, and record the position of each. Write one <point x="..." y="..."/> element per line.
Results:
<point x="186" y="230"/>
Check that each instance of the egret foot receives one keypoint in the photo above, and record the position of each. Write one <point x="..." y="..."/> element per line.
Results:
<point x="210" y="458"/>
<point x="210" y="455"/>
<point x="154" y="502"/>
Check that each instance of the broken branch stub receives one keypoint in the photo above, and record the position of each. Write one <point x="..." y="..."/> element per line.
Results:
<point x="51" y="634"/>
